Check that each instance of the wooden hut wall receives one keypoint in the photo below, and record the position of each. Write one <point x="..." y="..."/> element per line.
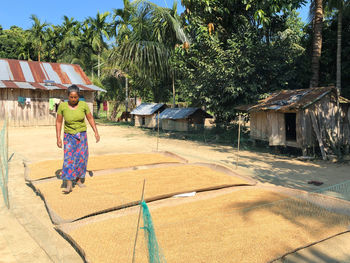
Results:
<point x="175" y="125"/>
<point x="277" y="127"/>
<point x="138" y="120"/>
<point x="35" y="113"/>
<point x="150" y="121"/>
<point x="259" y="126"/>
<point x="305" y="137"/>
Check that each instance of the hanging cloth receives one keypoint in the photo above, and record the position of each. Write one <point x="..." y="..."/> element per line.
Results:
<point x="21" y="100"/>
<point x="105" y="107"/>
<point x="51" y="104"/>
<point x="28" y="100"/>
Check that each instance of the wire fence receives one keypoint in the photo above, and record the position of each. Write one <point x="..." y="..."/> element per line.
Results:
<point x="4" y="162"/>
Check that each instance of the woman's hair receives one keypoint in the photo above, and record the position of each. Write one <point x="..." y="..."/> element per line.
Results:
<point x="73" y="88"/>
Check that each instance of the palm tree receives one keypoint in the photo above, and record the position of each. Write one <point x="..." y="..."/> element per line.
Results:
<point x="38" y="33"/>
<point x="122" y="21"/>
<point x="99" y="28"/>
<point x="156" y="31"/>
<point x="341" y="6"/>
<point x="69" y="33"/>
<point x="316" y="8"/>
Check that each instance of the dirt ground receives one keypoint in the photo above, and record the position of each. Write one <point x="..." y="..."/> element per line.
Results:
<point x="36" y="144"/>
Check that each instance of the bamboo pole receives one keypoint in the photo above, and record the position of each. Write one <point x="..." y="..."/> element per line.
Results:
<point x="239" y="138"/>
<point x="158" y="131"/>
<point x="6" y="161"/>
<point x="138" y="221"/>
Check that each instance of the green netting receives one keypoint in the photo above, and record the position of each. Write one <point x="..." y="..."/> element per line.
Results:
<point x="4" y="163"/>
<point x="154" y="252"/>
<point x="341" y="190"/>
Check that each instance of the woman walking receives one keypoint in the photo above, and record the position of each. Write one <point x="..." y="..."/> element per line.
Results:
<point x="76" y="151"/>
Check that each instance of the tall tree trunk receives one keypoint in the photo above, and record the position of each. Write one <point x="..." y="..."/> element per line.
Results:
<point x="126" y="97"/>
<point x="338" y="83"/>
<point x="98" y="64"/>
<point x="339" y="35"/>
<point x="173" y="80"/>
<point x="39" y="51"/>
<point x="316" y="44"/>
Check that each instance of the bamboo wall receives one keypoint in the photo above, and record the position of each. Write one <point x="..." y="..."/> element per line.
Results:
<point x="37" y="112"/>
<point x="150" y="121"/>
<point x="175" y="125"/>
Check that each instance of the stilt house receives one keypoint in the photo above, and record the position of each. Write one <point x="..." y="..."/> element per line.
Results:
<point x="30" y="91"/>
<point x="304" y="119"/>
<point x="145" y="114"/>
<point x="183" y="119"/>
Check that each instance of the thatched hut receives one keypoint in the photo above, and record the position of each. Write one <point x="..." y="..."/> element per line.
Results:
<point x="145" y="114"/>
<point x="30" y="91"/>
<point x="183" y="119"/>
<point x="302" y="118"/>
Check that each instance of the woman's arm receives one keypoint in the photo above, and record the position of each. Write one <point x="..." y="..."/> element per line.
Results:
<point x="59" y="120"/>
<point x="91" y="120"/>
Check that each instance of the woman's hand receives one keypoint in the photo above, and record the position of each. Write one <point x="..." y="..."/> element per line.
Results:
<point x="97" y="136"/>
<point x="59" y="142"/>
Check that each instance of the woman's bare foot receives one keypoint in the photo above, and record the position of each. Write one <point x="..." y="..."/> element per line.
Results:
<point x="80" y="183"/>
<point x="69" y="187"/>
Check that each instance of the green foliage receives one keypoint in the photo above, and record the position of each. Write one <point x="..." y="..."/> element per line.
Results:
<point x="15" y="44"/>
<point x="329" y="51"/>
<point x="221" y="71"/>
<point x="222" y="53"/>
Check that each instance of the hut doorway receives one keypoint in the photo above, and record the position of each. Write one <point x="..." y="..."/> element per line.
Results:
<point x="290" y="121"/>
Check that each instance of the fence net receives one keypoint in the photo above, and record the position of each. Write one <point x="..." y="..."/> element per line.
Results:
<point x="341" y="190"/>
<point x="154" y="252"/>
<point x="4" y="163"/>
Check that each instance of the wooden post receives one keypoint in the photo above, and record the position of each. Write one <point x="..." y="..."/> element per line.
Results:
<point x="318" y="134"/>
<point x="239" y="138"/>
<point x="138" y="221"/>
<point x="7" y="159"/>
<point x="158" y="131"/>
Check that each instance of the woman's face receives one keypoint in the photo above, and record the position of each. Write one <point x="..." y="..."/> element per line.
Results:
<point x="73" y="98"/>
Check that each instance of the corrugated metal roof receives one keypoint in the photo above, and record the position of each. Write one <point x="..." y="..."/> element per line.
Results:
<point x="42" y="75"/>
<point x="147" y="108"/>
<point x="181" y="113"/>
<point x="292" y="99"/>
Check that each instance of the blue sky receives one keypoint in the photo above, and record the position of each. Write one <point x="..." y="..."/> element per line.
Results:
<point x="17" y="12"/>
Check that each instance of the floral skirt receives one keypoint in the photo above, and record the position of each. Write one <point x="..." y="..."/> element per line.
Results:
<point x="76" y="154"/>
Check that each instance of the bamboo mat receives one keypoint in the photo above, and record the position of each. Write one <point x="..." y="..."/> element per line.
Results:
<point x="114" y="191"/>
<point x="52" y="168"/>
<point x="250" y="225"/>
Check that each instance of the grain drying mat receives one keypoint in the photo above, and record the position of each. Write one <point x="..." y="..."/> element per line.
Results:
<point x="117" y="190"/>
<point x="245" y="225"/>
<point x="51" y="168"/>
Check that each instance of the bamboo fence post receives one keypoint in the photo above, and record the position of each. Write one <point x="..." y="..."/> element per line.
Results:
<point x="138" y="221"/>
<point x="239" y="138"/>
<point x="6" y="161"/>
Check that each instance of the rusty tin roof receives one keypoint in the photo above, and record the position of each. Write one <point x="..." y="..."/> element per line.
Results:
<point x="42" y="75"/>
<point x="286" y="100"/>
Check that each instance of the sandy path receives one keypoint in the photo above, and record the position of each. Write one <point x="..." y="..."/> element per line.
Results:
<point x="38" y="143"/>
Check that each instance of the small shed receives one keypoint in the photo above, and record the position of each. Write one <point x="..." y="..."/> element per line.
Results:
<point x="183" y="119"/>
<point x="145" y="114"/>
<point x="30" y="91"/>
<point x="302" y="118"/>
